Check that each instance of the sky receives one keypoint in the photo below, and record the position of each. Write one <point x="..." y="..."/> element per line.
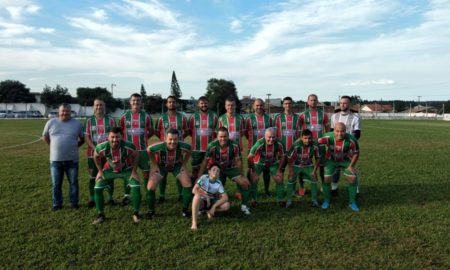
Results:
<point x="378" y="50"/>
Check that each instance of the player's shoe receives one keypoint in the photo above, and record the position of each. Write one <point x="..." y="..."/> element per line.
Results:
<point x="56" y="208"/>
<point x="126" y="200"/>
<point x="112" y="202"/>
<point x="161" y="199"/>
<point x="289" y="204"/>
<point x="90" y="204"/>
<point x="186" y="213"/>
<point x="254" y="203"/>
<point x="282" y="204"/>
<point x="245" y="209"/>
<point x="136" y="217"/>
<point x="238" y="196"/>
<point x="301" y="192"/>
<point x="151" y="214"/>
<point x="99" y="220"/>
<point x="354" y="207"/>
<point x="334" y="192"/>
<point x="325" y="205"/>
<point x="314" y="204"/>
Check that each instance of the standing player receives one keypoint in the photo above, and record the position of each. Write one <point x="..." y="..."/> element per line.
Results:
<point x="303" y="159"/>
<point x="96" y="129"/>
<point x="175" y="120"/>
<point x="171" y="155"/>
<point x="233" y="121"/>
<point x="352" y="124"/>
<point x="227" y="154"/>
<point x="255" y="128"/>
<point x="210" y="191"/>
<point x="267" y="153"/>
<point x="342" y="153"/>
<point x="316" y="120"/>
<point x="121" y="162"/>
<point x="202" y="126"/>
<point x="137" y="127"/>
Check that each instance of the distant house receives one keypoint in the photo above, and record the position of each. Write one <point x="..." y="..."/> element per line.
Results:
<point x="246" y="103"/>
<point x="421" y="109"/>
<point x="37" y="96"/>
<point x="376" y="107"/>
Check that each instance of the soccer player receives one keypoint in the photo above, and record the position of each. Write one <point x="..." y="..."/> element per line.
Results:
<point x="171" y="155"/>
<point x="96" y="129"/>
<point x="255" y="128"/>
<point x="209" y="191"/>
<point x="121" y="162"/>
<point x="303" y="159"/>
<point x="316" y="120"/>
<point x="352" y="123"/>
<point x="233" y="121"/>
<point x="227" y="154"/>
<point x="267" y="153"/>
<point x="342" y="153"/>
<point x="202" y="124"/>
<point x="137" y="128"/>
<point x="175" y="120"/>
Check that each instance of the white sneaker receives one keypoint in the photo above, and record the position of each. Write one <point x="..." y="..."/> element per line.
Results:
<point x="245" y="209"/>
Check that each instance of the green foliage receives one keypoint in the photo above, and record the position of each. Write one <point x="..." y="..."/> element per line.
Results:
<point x="87" y="95"/>
<point x="15" y="91"/>
<point x="175" y="87"/>
<point x="143" y="93"/>
<point x="53" y="97"/>
<point x="217" y="91"/>
<point x="403" y="223"/>
<point x="154" y="104"/>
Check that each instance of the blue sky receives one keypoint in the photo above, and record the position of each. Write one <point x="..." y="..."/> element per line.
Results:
<point x="374" y="49"/>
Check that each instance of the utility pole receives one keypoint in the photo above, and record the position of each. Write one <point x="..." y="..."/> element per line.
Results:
<point x="418" y="97"/>
<point x="112" y="89"/>
<point x="268" y="102"/>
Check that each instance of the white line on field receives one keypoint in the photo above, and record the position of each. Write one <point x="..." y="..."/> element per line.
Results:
<point x="22" y="144"/>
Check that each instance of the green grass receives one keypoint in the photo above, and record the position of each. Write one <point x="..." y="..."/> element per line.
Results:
<point x="404" y="221"/>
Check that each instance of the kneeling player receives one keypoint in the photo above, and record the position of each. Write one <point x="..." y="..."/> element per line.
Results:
<point x="300" y="158"/>
<point x="118" y="154"/>
<point x="210" y="191"/>
<point x="171" y="156"/>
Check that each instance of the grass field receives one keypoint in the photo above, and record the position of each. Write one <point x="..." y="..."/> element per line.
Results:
<point x="404" y="221"/>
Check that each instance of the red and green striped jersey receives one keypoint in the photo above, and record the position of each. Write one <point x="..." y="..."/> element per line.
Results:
<point x="177" y="121"/>
<point x="97" y="130"/>
<point x="202" y="126"/>
<point x="235" y="125"/>
<point x="255" y="127"/>
<point x="224" y="156"/>
<point x="136" y="128"/>
<point x="316" y="121"/>
<point x="303" y="156"/>
<point x="169" y="158"/>
<point x="339" y="150"/>
<point x="263" y="154"/>
<point x="287" y="126"/>
<point x="118" y="159"/>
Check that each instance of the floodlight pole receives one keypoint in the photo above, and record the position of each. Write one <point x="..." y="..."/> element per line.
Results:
<point x="112" y="89"/>
<point x="268" y="102"/>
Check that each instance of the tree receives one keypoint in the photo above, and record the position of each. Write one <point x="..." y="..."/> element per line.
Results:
<point x="217" y="91"/>
<point x="143" y="93"/>
<point x="175" y="87"/>
<point x="15" y="91"/>
<point x="56" y="96"/>
<point x="87" y="95"/>
<point x="154" y="104"/>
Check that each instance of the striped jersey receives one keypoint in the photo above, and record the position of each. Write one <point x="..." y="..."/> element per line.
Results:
<point x="351" y="121"/>
<point x="235" y="125"/>
<point x="303" y="156"/>
<point x="97" y="130"/>
<point x="213" y="188"/>
<point x="263" y="154"/>
<point x="118" y="159"/>
<point x="202" y="126"/>
<point x="314" y="120"/>
<point x="169" y="158"/>
<point x="177" y="121"/>
<point x="287" y="126"/>
<point x="255" y="127"/>
<point x="136" y="128"/>
<point x="339" y="150"/>
<point x="224" y="156"/>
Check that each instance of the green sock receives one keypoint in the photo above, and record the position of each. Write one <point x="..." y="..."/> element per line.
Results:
<point x="162" y="187"/>
<point x="266" y="177"/>
<point x="253" y="192"/>
<point x="313" y="190"/>
<point x="91" y="188"/>
<point x="245" y="195"/>
<point x="126" y="188"/>
<point x="136" y="198"/>
<point x="151" y="199"/>
<point x="187" y="196"/>
<point x="99" y="200"/>
<point x="179" y="188"/>
<point x="290" y="189"/>
<point x="280" y="192"/>
<point x="352" y="192"/>
<point x="111" y="190"/>
<point x="326" y="191"/>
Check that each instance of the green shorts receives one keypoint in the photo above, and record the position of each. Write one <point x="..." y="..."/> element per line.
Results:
<point x="109" y="176"/>
<point x="304" y="173"/>
<point x="331" y="166"/>
<point x="322" y="151"/>
<point x="232" y="173"/>
<point x="272" y="168"/>
<point x="197" y="158"/>
<point x="163" y="171"/>
<point x="144" y="164"/>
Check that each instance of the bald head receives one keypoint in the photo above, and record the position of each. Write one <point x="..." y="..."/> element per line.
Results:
<point x="339" y="131"/>
<point x="270" y="136"/>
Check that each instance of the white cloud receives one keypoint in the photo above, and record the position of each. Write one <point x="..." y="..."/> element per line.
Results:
<point x="99" y="14"/>
<point x="236" y="26"/>
<point x="17" y="12"/>
<point x="46" y="30"/>
<point x="152" y="9"/>
<point x="374" y="82"/>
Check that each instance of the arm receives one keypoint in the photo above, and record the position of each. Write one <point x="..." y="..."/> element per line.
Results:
<point x="357" y="134"/>
<point x="238" y="161"/>
<point x="153" y="162"/>
<point x="98" y="164"/>
<point x="186" y="158"/>
<point x="135" y="156"/>
<point x="80" y="140"/>
<point x="351" y="166"/>
<point x="46" y="139"/>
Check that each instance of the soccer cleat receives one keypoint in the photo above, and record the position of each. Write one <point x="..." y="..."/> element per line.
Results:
<point x="126" y="200"/>
<point x="99" y="220"/>
<point x="334" y="192"/>
<point x="91" y="204"/>
<point x="245" y="209"/>
<point x="354" y="207"/>
<point x="151" y="214"/>
<point x="314" y="204"/>
<point x="161" y="200"/>
<point x="56" y="208"/>
<point x="282" y="204"/>
<point x="186" y="213"/>
<point x="325" y="205"/>
<point x="289" y="204"/>
<point x="111" y="202"/>
<point x="238" y="196"/>
<point x="136" y="218"/>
